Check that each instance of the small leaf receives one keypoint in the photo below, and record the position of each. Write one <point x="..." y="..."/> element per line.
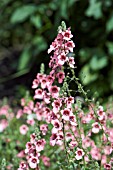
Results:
<point x="86" y="76"/>
<point x="94" y="9"/>
<point x="109" y="24"/>
<point x="22" y="13"/>
<point x="41" y="44"/>
<point x="98" y="63"/>
<point x="36" y="20"/>
<point x="63" y="9"/>
<point x="110" y="47"/>
<point x="24" y="59"/>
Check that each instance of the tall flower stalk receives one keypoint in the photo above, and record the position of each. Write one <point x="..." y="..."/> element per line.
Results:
<point x="75" y="130"/>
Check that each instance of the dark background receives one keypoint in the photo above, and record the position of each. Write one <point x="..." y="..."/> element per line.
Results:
<point x="27" y="28"/>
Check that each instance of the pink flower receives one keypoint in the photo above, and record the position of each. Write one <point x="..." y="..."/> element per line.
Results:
<point x="95" y="153"/>
<point x="107" y="150"/>
<point x="19" y="113"/>
<point x="101" y="113"/>
<point x="66" y="113"/>
<point x="79" y="154"/>
<point x="53" y="139"/>
<point x="24" y="129"/>
<point x="46" y="97"/>
<point x="103" y="159"/>
<point x="54" y="90"/>
<point x="46" y="160"/>
<point x="67" y="35"/>
<point x="35" y="83"/>
<point x="71" y="62"/>
<point x="38" y="94"/>
<point x="32" y="138"/>
<point x="50" y="80"/>
<point x="23" y="166"/>
<point x="3" y="124"/>
<point x="21" y="154"/>
<point x="70" y="45"/>
<point x="44" y="128"/>
<point x="62" y="59"/>
<point x="43" y="83"/>
<point x="31" y="122"/>
<point x="107" y="166"/>
<point x="40" y="76"/>
<point x="69" y="101"/>
<point x="72" y="120"/>
<point x="57" y="125"/>
<point x="56" y="106"/>
<point x="96" y="127"/>
<point x="27" y="110"/>
<point x="23" y="102"/>
<point x="33" y="161"/>
<point x="73" y="144"/>
<point x="28" y="147"/>
<point x="60" y="75"/>
<point x="40" y="145"/>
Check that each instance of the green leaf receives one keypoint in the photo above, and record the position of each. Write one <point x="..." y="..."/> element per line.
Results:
<point x="40" y="43"/>
<point x="109" y="24"/>
<point x="97" y="63"/>
<point x="36" y="20"/>
<point x="110" y="47"/>
<point x="86" y="76"/>
<point x="71" y="2"/>
<point x="22" y="13"/>
<point x="84" y="54"/>
<point x="63" y="9"/>
<point x="24" y="59"/>
<point x="94" y="9"/>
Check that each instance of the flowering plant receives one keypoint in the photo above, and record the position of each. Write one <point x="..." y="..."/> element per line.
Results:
<point x="67" y="133"/>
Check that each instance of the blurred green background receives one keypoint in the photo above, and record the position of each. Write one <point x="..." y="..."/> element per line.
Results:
<point x="27" y="28"/>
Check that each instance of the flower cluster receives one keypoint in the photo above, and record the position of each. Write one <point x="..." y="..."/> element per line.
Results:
<point x="84" y="135"/>
<point x="6" y="115"/>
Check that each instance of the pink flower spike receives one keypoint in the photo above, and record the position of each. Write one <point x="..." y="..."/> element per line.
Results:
<point x="79" y="154"/>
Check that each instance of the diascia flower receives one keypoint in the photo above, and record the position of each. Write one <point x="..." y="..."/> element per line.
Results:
<point x="79" y="154"/>
<point x="33" y="161"/>
<point x="24" y="129"/>
<point x="40" y="145"/>
<point x="66" y="113"/>
<point x="54" y="90"/>
<point x="38" y="94"/>
<point x="96" y="127"/>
